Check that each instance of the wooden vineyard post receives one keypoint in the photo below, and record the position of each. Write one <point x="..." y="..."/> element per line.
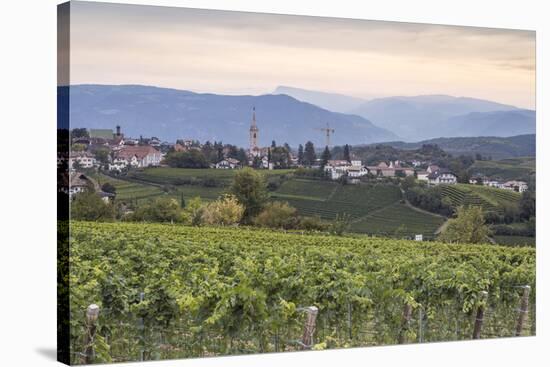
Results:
<point x="479" y="316"/>
<point x="407" y="312"/>
<point x="92" y="314"/>
<point x="523" y="309"/>
<point x="309" y="326"/>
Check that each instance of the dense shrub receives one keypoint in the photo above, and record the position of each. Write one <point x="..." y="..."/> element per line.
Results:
<point x="224" y="211"/>
<point x="277" y="215"/>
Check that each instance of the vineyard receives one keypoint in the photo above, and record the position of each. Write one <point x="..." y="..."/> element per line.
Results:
<point x="169" y="291"/>
<point x="490" y="199"/>
<point x="373" y="209"/>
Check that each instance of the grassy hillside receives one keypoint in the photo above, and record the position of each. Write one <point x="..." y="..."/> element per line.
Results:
<point x="521" y="168"/>
<point x="490" y="199"/>
<point x="373" y="208"/>
<point x="496" y="147"/>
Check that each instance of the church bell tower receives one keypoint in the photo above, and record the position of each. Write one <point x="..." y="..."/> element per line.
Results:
<point x="254" y="150"/>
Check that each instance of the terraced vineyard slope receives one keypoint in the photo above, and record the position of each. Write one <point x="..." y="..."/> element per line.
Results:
<point x="373" y="208"/>
<point x="490" y="199"/>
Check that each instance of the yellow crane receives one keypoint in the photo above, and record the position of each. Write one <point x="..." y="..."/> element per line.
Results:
<point x="327" y="130"/>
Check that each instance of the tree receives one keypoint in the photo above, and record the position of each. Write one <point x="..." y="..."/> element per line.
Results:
<point x="241" y="156"/>
<point x="77" y="147"/>
<point x="192" y="213"/>
<point x="79" y="132"/>
<point x="102" y="154"/>
<point x="108" y="187"/>
<point x="273" y="144"/>
<point x="250" y="189"/>
<point x="159" y="210"/>
<point x="190" y="159"/>
<point x="224" y="211"/>
<point x="182" y="201"/>
<point x="89" y="206"/>
<point x="280" y="157"/>
<point x="527" y="204"/>
<point x="309" y="154"/>
<point x="341" y="224"/>
<point x="325" y="157"/>
<point x="408" y="183"/>
<point x="347" y="155"/>
<point x="277" y="215"/>
<point x="468" y="227"/>
<point x="300" y="154"/>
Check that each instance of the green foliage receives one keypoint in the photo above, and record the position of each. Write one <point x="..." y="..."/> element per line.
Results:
<point x="340" y="225"/>
<point x="468" y="227"/>
<point x="224" y="211"/>
<point x="192" y="158"/>
<point x="347" y="153"/>
<point x="309" y="154"/>
<point x="79" y="133"/>
<point x="250" y="189"/>
<point x="102" y="154"/>
<point x="314" y="223"/>
<point x="223" y="290"/>
<point x="162" y="209"/>
<point x="300" y="154"/>
<point x="277" y="215"/>
<point x="325" y="157"/>
<point x="108" y="187"/>
<point x="89" y="206"/>
<point x="192" y="213"/>
<point x="428" y="198"/>
<point x="77" y="147"/>
<point x="527" y="204"/>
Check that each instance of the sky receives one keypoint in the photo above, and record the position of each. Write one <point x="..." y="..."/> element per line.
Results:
<point x="253" y="53"/>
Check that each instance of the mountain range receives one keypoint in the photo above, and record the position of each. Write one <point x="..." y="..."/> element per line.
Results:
<point x="171" y="114"/>
<point x="288" y="115"/>
<point x="428" y="116"/>
<point x="330" y="101"/>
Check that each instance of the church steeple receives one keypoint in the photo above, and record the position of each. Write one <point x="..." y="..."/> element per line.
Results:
<point x="254" y="150"/>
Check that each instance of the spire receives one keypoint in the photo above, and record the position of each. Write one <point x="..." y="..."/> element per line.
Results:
<point x="254" y="116"/>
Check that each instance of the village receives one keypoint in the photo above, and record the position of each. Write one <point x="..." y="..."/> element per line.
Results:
<point x="114" y="152"/>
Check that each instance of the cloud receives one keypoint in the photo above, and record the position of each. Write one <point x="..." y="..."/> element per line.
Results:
<point x="225" y="51"/>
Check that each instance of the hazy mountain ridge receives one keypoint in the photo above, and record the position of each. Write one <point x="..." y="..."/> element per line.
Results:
<point x="415" y="118"/>
<point x="330" y="101"/>
<point x="170" y="114"/>
<point x="430" y="116"/>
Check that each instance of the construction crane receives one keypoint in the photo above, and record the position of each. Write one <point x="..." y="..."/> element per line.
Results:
<point x="327" y="130"/>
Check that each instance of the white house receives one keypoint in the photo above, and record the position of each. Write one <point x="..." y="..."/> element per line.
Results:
<point x="139" y="156"/>
<point x="228" y="163"/>
<point x="118" y="164"/>
<point x="422" y="175"/>
<point x="519" y="186"/>
<point x="338" y="168"/>
<point x="442" y="176"/>
<point x="84" y="159"/>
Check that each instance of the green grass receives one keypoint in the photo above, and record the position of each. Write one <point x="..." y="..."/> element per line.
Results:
<point x="398" y="220"/>
<point x="307" y="188"/>
<point x="172" y="176"/>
